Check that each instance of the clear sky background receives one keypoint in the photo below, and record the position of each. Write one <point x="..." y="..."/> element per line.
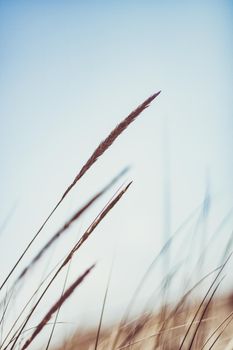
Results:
<point x="70" y="71"/>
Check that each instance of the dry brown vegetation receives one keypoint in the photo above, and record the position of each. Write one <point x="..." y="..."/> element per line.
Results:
<point x="212" y="330"/>
<point x="190" y="323"/>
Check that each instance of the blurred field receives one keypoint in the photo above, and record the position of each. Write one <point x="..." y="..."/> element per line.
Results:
<point x="198" y="317"/>
<point x="213" y="330"/>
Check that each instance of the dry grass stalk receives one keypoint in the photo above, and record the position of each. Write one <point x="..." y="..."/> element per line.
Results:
<point x="202" y="315"/>
<point x="171" y="335"/>
<point x="100" y="217"/>
<point x="25" y="307"/>
<point x="222" y="331"/>
<point x="163" y="250"/>
<point x="104" y="145"/>
<point x="84" y="237"/>
<point x="103" y="307"/>
<point x="75" y="217"/>
<point x="225" y="322"/>
<point x="135" y="329"/>
<point x="66" y="226"/>
<point x="56" y="306"/>
<point x="202" y="302"/>
<point x="59" y="309"/>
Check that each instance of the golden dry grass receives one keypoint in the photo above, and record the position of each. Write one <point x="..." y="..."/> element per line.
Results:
<point x="204" y="323"/>
<point x="149" y="332"/>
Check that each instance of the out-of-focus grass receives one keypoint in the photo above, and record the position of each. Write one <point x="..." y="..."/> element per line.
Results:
<point x="199" y="319"/>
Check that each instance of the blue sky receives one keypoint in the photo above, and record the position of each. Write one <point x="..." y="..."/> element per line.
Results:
<point x="70" y="71"/>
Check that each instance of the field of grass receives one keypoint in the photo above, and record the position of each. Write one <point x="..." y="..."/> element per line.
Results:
<point x="195" y="321"/>
<point x="192" y="326"/>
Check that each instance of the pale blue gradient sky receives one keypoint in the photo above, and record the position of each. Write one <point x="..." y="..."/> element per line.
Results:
<point x="71" y="70"/>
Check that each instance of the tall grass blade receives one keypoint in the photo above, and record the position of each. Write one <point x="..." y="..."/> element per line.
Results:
<point x="100" y="150"/>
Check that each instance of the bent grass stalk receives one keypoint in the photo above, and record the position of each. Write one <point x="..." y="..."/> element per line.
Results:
<point x="100" y="150"/>
<point x="203" y="314"/>
<point x="227" y="321"/>
<point x="60" y="232"/>
<point x="58" y="310"/>
<point x="67" y="225"/>
<point x="148" y="271"/>
<point x="56" y="306"/>
<point x="84" y="237"/>
<point x="103" y="306"/>
<point x="25" y="307"/>
<point x="203" y="301"/>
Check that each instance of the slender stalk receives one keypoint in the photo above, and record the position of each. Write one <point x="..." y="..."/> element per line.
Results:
<point x="103" y="308"/>
<point x="56" y="306"/>
<point x="84" y="237"/>
<point x="67" y="225"/>
<point x="100" y="150"/>
<point x="202" y="302"/>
